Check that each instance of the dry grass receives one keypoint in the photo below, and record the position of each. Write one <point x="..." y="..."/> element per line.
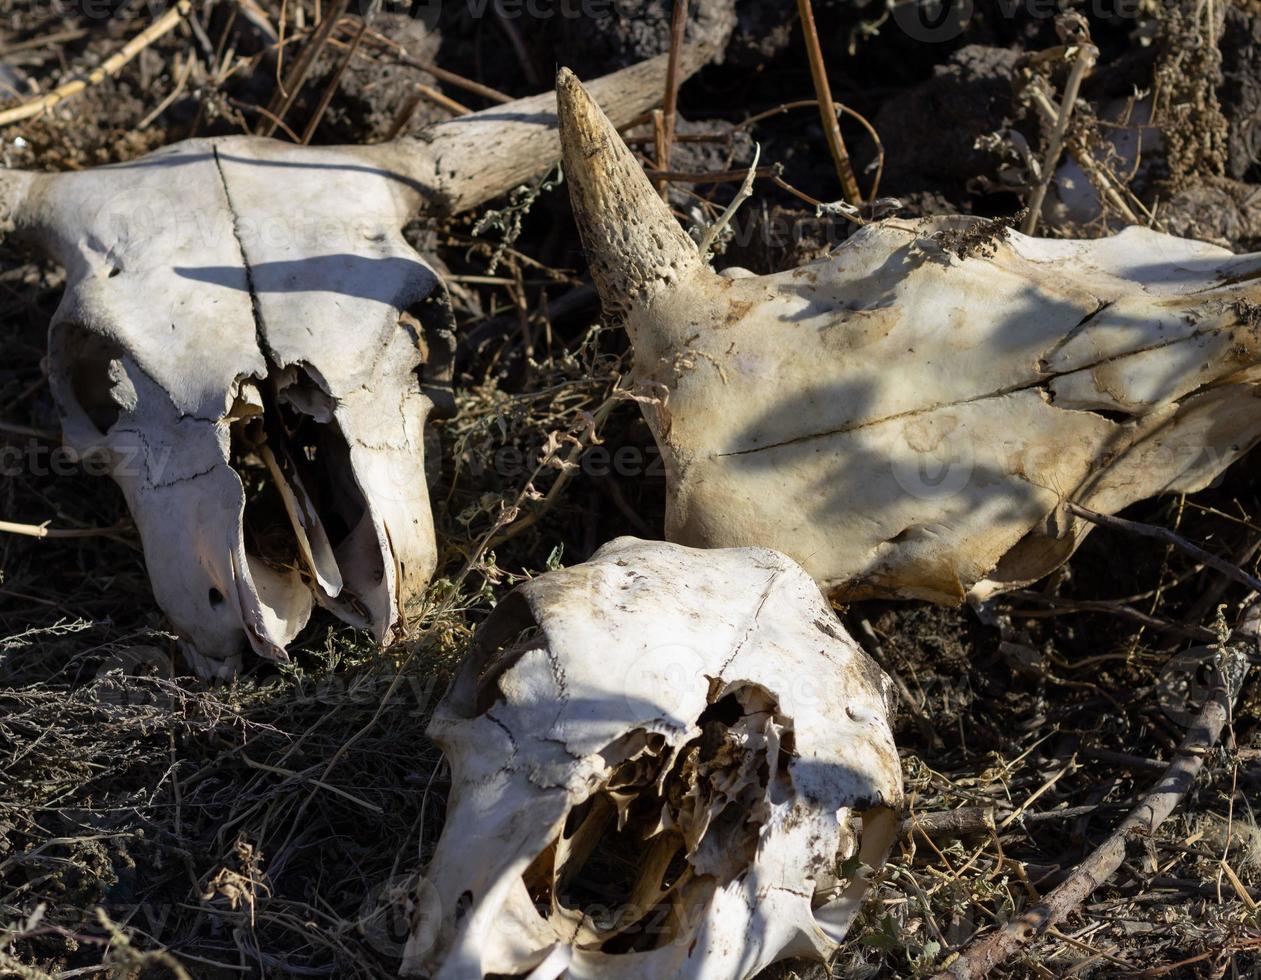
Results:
<point x="152" y="823"/>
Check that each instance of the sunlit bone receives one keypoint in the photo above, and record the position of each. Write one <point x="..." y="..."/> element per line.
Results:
<point x="908" y="415"/>
<point x="243" y="312"/>
<point x="665" y="763"/>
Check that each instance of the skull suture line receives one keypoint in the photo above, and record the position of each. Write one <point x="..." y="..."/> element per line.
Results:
<point x="242" y="314"/>
<point x="659" y="763"/>
<point x="907" y="415"/>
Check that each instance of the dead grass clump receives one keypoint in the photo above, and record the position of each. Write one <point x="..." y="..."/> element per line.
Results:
<point x="1185" y="97"/>
<point x="278" y="825"/>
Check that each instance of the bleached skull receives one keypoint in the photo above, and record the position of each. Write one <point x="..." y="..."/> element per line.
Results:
<point x="665" y="763"/>
<point x="907" y="415"/>
<point x="250" y="341"/>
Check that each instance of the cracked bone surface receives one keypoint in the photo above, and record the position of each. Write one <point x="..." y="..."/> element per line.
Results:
<point x="243" y="336"/>
<point x="907" y="415"/>
<point x="665" y="762"/>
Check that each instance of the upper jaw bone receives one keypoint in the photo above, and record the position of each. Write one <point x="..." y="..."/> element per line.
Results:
<point x="907" y="415"/>
<point x="262" y="296"/>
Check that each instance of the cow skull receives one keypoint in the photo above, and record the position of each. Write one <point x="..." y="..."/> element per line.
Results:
<point x="908" y="415"/>
<point x="660" y="761"/>
<point x="243" y="313"/>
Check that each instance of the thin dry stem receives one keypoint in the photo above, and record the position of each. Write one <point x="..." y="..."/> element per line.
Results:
<point x="286" y="94"/>
<point x="331" y="89"/>
<point x="159" y="28"/>
<point x="669" y="105"/>
<point x="1169" y="537"/>
<point x="827" y="110"/>
<point x="985" y="956"/>
<point x="1084" y="59"/>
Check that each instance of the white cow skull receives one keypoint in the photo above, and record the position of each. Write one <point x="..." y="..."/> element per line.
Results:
<point x="908" y="415"/>
<point x="659" y="760"/>
<point x="242" y="312"/>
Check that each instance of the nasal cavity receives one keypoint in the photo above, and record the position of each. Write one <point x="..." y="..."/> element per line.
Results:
<point x="89" y="363"/>
<point x="431" y="323"/>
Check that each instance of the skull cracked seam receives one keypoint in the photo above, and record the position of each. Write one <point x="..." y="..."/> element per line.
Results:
<point x="665" y="762"/>
<point x="909" y="415"/>
<point x="242" y="338"/>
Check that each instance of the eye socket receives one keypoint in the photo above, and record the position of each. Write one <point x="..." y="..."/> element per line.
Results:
<point x="88" y="363"/>
<point x="432" y="322"/>
<point x="216" y="598"/>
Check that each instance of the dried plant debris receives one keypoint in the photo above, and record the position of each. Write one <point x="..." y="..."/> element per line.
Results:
<point x="976" y="239"/>
<point x="1187" y="108"/>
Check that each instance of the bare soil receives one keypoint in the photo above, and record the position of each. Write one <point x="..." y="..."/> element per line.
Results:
<point x="151" y="823"/>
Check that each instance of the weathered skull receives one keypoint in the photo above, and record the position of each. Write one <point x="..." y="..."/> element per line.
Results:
<point x="244" y="337"/>
<point x="908" y="415"/>
<point x="659" y="760"/>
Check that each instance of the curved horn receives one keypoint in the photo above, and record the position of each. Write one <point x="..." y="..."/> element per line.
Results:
<point x="629" y="234"/>
<point x="21" y="193"/>
<point x="465" y="161"/>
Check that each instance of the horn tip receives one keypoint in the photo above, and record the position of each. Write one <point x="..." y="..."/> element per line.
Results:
<point x="19" y="198"/>
<point x="577" y="110"/>
<point x="630" y="236"/>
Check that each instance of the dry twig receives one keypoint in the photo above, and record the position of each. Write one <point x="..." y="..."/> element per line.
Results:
<point x="1170" y="538"/>
<point x="159" y="28"/>
<point x="986" y="955"/>
<point x="1084" y="55"/>
<point x="442" y="74"/>
<point x="742" y="195"/>
<point x="44" y="531"/>
<point x="839" y="107"/>
<point x="827" y="110"/>
<point x="669" y="105"/>
<point x="274" y="115"/>
<point x="331" y="88"/>
<point x="716" y="177"/>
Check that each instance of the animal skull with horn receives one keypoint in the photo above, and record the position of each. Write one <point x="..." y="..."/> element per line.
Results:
<point x="244" y="301"/>
<point x="908" y="415"/>
<point x="697" y="721"/>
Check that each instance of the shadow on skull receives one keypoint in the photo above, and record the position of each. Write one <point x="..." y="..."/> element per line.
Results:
<point x="909" y="415"/>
